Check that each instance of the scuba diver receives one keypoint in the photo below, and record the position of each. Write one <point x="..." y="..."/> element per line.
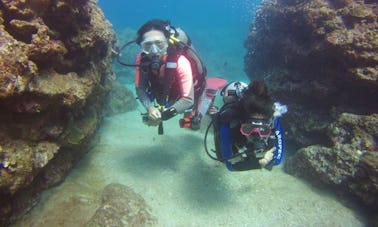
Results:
<point x="247" y="133"/>
<point x="170" y="76"/>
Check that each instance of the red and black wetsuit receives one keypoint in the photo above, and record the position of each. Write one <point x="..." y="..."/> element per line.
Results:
<point x="181" y="94"/>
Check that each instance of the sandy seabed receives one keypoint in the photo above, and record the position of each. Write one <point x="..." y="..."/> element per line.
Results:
<point x="182" y="185"/>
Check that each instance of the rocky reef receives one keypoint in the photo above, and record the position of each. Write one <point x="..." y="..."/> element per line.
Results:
<point x="121" y="206"/>
<point x="55" y="74"/>
<point x="119" y="100"/>
<point x="320" y="57"/>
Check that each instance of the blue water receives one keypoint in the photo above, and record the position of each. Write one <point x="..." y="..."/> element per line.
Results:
<point x="191" y="14"/>
<point x="181" y="184"/>
<point x="218" y="28"/>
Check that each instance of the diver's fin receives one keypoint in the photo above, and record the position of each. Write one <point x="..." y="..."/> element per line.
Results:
<point x="215" y="84"/>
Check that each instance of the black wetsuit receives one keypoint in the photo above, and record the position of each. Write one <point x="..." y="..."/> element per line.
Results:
<point x="231" y="116"/>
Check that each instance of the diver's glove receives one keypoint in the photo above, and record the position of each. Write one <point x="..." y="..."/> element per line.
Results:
<point x="168" y="113"/>
<point x="279" y="109"/>
<point x="154" y="113"/>
<point x="269" y="166"/>
<point x="150" y="122"/>
<point x="267" y="159"/>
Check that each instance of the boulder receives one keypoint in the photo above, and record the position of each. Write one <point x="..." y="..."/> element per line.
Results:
<point x="121" y="206"/>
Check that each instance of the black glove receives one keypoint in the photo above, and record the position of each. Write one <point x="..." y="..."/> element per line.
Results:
<point x="270" y="165"/>
<point x="168" y="113"/>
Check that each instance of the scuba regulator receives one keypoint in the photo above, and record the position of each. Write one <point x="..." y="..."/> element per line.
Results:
<point x="153" y="62"/>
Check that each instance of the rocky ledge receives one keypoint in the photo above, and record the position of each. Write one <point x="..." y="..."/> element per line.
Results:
<point x="55" y="74"/>
<point x="320" y="58"/>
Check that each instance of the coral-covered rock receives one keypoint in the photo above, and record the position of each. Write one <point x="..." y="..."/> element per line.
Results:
<point x="55" y="74"/>
<point x="351" y="163"/>
<point x="17" y="169"/>
<point x="121" y="206"/>
<point x="321" y="59"/>
<point x="120" y="100"/>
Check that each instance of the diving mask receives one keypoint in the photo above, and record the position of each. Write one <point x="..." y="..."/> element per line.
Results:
<point x="154" y="45"/>
<point x="259" y="126"/>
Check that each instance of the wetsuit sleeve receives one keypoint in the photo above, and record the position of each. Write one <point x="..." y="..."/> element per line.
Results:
<point x="141" y="85"/>
<point x="143" y="98"/>
<point x="185" y="78"/>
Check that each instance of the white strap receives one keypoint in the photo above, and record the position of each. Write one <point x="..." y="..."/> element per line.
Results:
<point x="171" y="65"/>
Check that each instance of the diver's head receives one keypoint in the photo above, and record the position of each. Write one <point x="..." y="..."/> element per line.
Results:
<point x="259" y="128"/>
<point x="154" y="43"/>
<point x="257" y="103"/>
<point x="155" y="24"/>
<point x="257" y="132"/>
<point x="153" y="37"/>
<point x="257" y="100"/>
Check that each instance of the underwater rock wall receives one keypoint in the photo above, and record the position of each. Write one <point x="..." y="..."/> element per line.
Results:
<point x="55" y="73"/>
<point x="321" y="59"/>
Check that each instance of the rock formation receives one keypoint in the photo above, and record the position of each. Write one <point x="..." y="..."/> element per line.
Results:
<point x="120" y="100"/>
<point x="55" y="73"/>
<point x="320" y="57"/>
<point x="121" y="206"/>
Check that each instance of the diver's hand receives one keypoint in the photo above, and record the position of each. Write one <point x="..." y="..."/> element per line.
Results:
<point x="168" y="113"/>
<point x="268" y="157"/>
<point x="151" y="122"/>
<point x="154" y="114"/>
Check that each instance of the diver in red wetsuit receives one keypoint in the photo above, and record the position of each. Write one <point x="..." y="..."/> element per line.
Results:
<point x="170" y="77"/>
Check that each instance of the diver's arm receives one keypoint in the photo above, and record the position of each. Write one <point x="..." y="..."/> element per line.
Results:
<point x="140" y="85"/>
<point x="268" y="157"/>
<point x="143" y="98"/>
<point x="154" y="114"/>
<point x="184" y="103"/>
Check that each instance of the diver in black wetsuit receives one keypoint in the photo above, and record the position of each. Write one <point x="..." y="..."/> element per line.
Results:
<point x="247" y="133"/>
